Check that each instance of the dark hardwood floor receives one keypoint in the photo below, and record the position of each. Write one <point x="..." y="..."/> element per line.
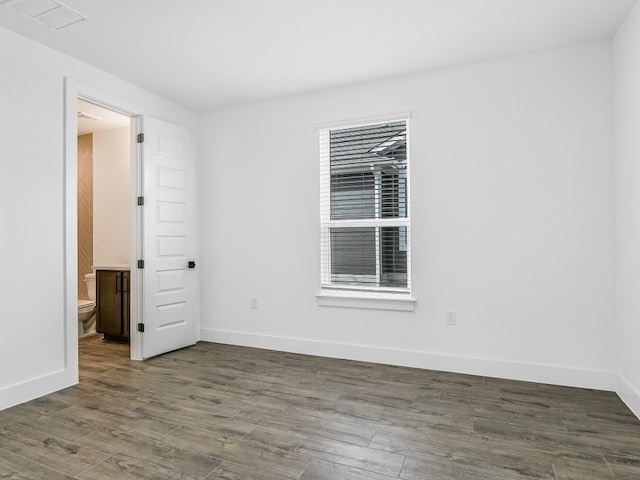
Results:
<point x="222" y="412"/>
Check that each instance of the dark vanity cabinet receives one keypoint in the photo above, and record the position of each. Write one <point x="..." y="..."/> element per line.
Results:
<point x="112" y="304"/>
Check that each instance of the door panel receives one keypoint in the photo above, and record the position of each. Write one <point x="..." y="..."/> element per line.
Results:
<point x="108" y="290"/>
<point x="169" y="286"/>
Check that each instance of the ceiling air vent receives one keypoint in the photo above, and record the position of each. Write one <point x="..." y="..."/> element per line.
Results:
<point x="51" y="13"/>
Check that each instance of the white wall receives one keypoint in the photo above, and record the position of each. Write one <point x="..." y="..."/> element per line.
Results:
<point x="112" y="197"/>
<point x="512" y="210"/>
<point x="33" y="356"/>
<point x="627" y="176"/>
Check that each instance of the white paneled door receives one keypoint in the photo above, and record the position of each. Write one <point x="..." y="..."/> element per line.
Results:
<point x="169" y="279"/>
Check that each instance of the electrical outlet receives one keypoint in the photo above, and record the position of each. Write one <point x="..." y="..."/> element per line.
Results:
<point x="451" y="317"/>
<point x="253" y="303"/>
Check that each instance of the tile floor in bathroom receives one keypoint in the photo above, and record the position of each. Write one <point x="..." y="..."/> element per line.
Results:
<point x="223" y="412"/>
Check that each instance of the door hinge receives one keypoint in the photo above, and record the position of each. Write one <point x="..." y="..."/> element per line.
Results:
<point x="140" y="201"/>
<point x="141" y="138"/>
<point x="140" y="263"/>
<point x="141" y="327"/>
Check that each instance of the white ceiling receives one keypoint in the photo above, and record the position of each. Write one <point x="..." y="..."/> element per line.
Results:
<point x="103" y="119"/>
<point x="206" y="54"/>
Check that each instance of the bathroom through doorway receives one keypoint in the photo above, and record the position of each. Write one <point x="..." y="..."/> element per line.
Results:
<point x="104" y="222"/>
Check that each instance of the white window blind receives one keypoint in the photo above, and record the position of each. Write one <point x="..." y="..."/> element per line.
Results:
<point x="364" y="207"/>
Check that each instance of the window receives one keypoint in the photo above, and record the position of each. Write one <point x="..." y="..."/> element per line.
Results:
<point x="364" y="210"/>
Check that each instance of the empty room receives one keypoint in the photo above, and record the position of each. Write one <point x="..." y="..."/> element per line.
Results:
<point x="299" y="239"/>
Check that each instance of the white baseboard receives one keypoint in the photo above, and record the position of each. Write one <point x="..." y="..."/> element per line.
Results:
<point x="35" y="387"/>
<point x="530" y="372"/>
<point x="629" y="395"/>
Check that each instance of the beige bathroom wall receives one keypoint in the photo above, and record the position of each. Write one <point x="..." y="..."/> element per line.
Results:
<point x="112" y="197"/>
<point x="85" y="210"/>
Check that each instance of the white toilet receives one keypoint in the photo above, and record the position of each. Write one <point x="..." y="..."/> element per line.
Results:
<point x="86" y="308"/>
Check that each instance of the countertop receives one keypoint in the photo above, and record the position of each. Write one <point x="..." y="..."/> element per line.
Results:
<point x="122" y="266"/>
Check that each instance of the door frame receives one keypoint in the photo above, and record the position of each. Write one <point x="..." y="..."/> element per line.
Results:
<point x="74" y="91"/>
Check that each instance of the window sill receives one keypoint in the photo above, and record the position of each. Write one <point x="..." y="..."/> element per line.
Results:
<point x="374" y="301"/>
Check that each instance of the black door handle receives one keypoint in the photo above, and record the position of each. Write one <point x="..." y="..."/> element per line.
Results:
<point x="192" y="264"/>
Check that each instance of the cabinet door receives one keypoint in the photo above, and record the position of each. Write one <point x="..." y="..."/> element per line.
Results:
<point x="126" y="305"/>
<point x="108" y="302"/>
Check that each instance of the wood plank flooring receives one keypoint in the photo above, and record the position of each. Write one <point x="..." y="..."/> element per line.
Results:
<point x="222" y="412"/>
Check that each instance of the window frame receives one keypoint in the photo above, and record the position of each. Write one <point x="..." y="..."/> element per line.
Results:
<point x="361" y="296"/>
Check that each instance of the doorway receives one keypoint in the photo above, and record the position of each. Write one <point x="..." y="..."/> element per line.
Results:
<point x="104" y="222"/>
<point x="75" y="92"/>
<point x="164" y="284"/>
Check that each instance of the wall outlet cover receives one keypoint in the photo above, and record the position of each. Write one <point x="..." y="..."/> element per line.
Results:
<point x="451" y="317"/>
